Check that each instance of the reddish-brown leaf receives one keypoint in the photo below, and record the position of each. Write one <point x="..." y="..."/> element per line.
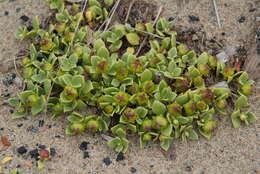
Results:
<point x="5" y="141"/>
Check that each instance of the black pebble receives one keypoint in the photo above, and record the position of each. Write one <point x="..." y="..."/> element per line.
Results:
<point x="86" y="155"/>
<point x="6" y="13"/>
<point x="107" y="161"/>
<point x="11" y="111"/>
<point x="188" y="168"/>
<point x="120" y="156"/>
<point x="34" y="154"/>
<point x="194" y="18"/>
<point x="53" y="151"/>
<point x="24" y="18"/>
<point x="22" y="150"/>
<point x="41" y="123"/>
<point x="20" y="125"/>
<point x="83" y="146"/>
<point x="32" y="129"/>
<point x="1" y="128"/>
<point x="151" y="165"/>
<point x="9" y="79"/>
<point x="42" y="147"/>
<point x="18" y="10"/>
<point x="171" y="19"/>
<point x="242" y="19"/>
<point x="18" y="166"/>
<point x="133" y="170"/>
<point x="57" y="136"/>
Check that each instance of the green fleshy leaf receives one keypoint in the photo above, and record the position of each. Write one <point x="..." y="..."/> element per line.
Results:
<point x="13" y="102"/>
<point x="36" y="23"/>
<point x="103" y="52"/>
<point x="235" y="119"/>
<point x="242" y="101"/>
<point x="165" y="145"/>
<point x="141" y="112"/>
<point x="33" y="52"/>
<point x="17" y="115"/>
<point x="40" y="77"/>
<point x="251" y="117"/>
<point x="203" y="58"/>
<point x="133" y="39"/>
<point x="146" y="75"/>
<point x="192" y="134"/>
<point x="158" y="107"/>
<point x="66" y="64"/>
<point x="172" y="53"/>
<point x="47" y="86"/>
<point x="39" y="107"/>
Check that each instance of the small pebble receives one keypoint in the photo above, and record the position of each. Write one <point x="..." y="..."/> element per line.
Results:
<point x="22" y="150"/>
<point x="18" y="82"/>
<point x="171" y="19"/>
<point x="222" y="57"/>
<point x="188" y="168"/>
<point x="242" y="19"/>
<point x="20" y="125"/>
<point x="41" y="123"/>
<point x="32" y="129"/>
<point x="18" y="10"/>
<point x="6" y="13"/>
<point x="24" y="18"/>
<point x="120" y="156"/>
<point x="107" y="161"/>
<point x="34" y="154"/>
<point x="133" y="170"/>
<point x="53" y="151"/>
<point x="83" y="146"/>
<point x="86" y="155"/>
<point x="194" y="18"/>
<point x="42" y="146"/>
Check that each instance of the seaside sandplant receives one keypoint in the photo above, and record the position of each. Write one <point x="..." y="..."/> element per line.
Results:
<point x="161" y="94"/>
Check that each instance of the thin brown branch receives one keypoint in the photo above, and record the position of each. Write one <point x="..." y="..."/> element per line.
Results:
<point x="111" y="16"/>
<point x="129" y="10"/>
<point x="145" y="39"/>
<point x="217" y="13"/>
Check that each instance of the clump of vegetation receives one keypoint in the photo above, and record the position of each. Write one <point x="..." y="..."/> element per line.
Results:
<point x="161" y="95"/>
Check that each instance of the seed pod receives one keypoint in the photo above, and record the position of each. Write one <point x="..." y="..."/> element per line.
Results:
<point x="60" y="27"/>
<point x="246" y="89"/>
<point x="213" y="62"/>
<point x="140" y="26"/>
<point x="190" y="108"/>
<point x="207" y="95"/>
<point x="121" y="98"/>
<point x="228" y="72"/>
<point x="102" y="66"/>
<point x="198" y="81"/>
<point x="209" y="126"/>
<point x="201" y="106"/>
<point x="147" y="125"/>
<point x="133" y="89"/>
<point x="28" y="72"/>
<point x="121" y="73"/>
<point x="182" y="49"/>
<point x="136" y="66"/>
<point x="174" y="109"/>
<point x="243" y="117"/>
<point x="181" y="85"/>
<point x="46" y="44"/>
<point x="221" y="104"/>
<point x="32" y="100"/>
<point x="130" y="114"/>
<point x="147" y="137"/>
<point x="142" y="98"/>
<point x="77" y="128"/>
<point x="160" y="122"/>
<point x="70" y="92"/>
<point x="204" y="69"/>
<point x="148" y="86"/>
<point x="26" y="61"/>
<point x="109" y="109"/>
<point x="92" y="125"/>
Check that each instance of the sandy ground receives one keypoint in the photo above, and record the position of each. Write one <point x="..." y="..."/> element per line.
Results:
<point x="231" y="151"/>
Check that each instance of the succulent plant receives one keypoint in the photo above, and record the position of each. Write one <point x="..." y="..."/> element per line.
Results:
<point x="162" y="95"/>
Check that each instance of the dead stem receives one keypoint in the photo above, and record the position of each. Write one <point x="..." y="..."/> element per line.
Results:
<point x="112" y="14"/>
<point x="129" y="10"/>
<point x="145" y="39"/>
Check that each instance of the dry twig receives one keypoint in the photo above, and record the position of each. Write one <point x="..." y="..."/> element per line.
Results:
<point x="217" y="14"/>
<point x="129" y="10"/>
<point x="145" y="39"/>
<point x="112" y="14"/>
